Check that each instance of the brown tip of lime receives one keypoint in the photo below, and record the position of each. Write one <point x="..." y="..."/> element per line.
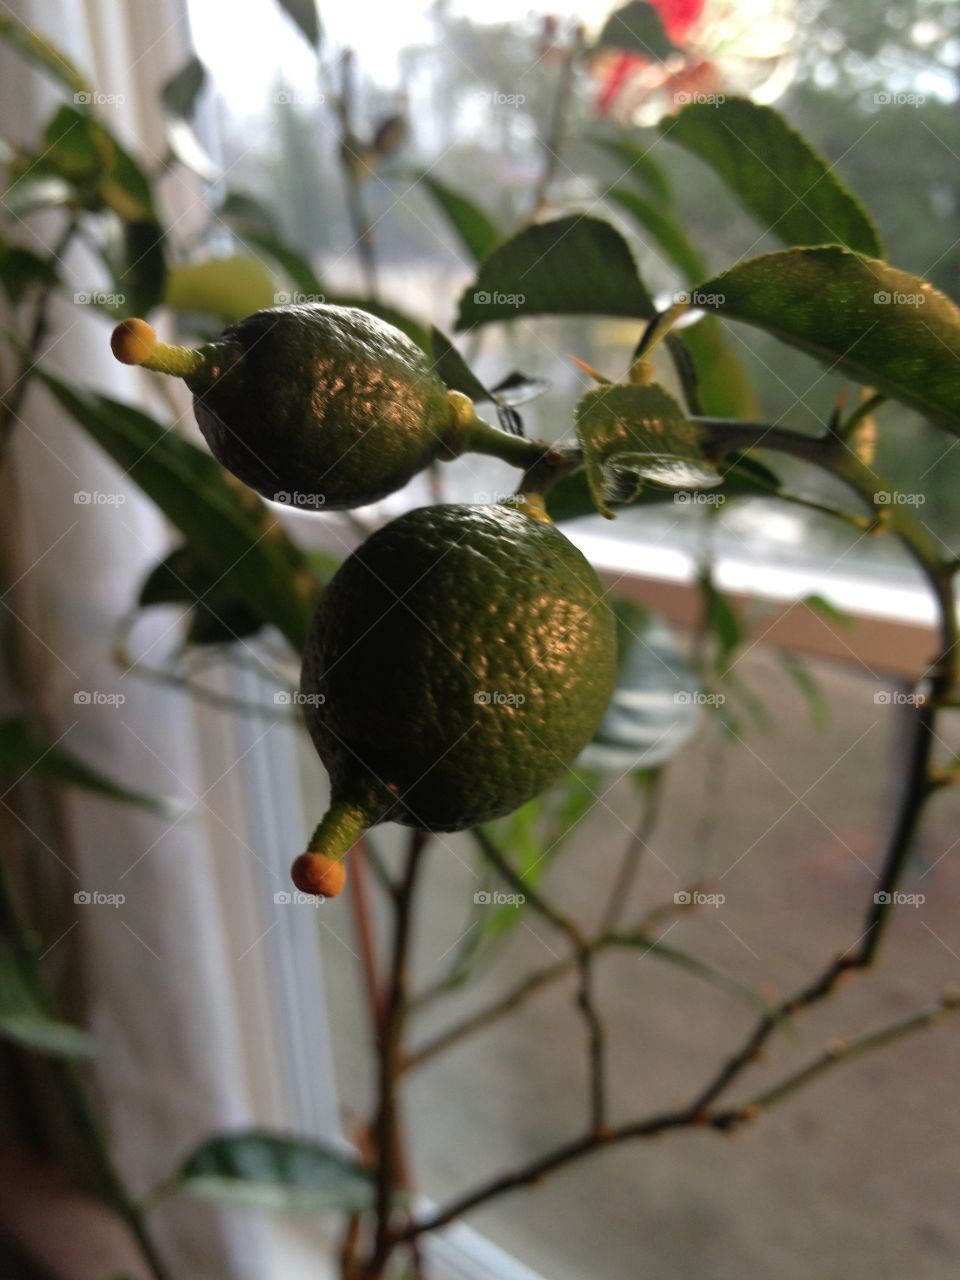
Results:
<point x="133" y="341"/>
<point x="318" y="873"/>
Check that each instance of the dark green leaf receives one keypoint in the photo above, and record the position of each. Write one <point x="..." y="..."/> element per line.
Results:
<point x="25" y="751"/>
<point x="775" y="173"/>
<point x="517" y="389"/>
<point x="134" y="255"/>
<point x="179" y="94"/>
<point x="664" y="229"/>
<point x="638" y="28"/>
<point x="883" y="327"/>
<point x="629" y="430"/>
<point x="453" y="370"/>
<point x="475" y="228"/>
<point x="271" y="1171"/>
<point x="24" y="1013"/>
<point x="304" y="14"/>
<point x="722" y="618"/>
<point x="574" y="266"/>
<point x="227" y="526"/>
<point x="21" y="270"/>
<point x="829" y="612"/>
<point x="725" y="390"/>
<point x="639" y="166"/>
<point x="179" y="97"/>
<point x="216" y="616"/>
<point x="45" y="55"/>
<point x="246" y="213"/>
<point x="652" y="714"/>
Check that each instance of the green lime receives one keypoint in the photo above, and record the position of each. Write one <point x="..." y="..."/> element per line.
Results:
<point x="460" y="659"/>
<point x="314" y="405"/>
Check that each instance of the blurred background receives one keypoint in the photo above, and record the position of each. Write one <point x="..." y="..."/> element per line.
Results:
<point x="291" y="166"/>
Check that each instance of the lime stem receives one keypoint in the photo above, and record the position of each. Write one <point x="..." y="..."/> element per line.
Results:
<point x="339" y="829"/>
<point x="179" y="362"/>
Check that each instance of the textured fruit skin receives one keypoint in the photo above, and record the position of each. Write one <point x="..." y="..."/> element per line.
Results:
<point x="442" y="605"/>
<point x="324" y="401"/>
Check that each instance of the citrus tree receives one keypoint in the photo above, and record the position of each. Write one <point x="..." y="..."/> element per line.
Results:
<point x="456" y="666"/>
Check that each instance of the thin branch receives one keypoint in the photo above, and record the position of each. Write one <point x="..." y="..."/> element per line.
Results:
<point x="553" y="139"/>
<point x="691" y="1116"/>
<point x="494" y="856"/>
<point x="351" y="161"/>
<point x="597" y="1042"/>
<point x="389" y="1173"/>
<point x="636" y="846"/>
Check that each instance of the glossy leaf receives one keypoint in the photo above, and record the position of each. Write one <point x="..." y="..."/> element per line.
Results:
<point x="305" y="16"/>
<point x="573" y="266"/>
<point x="179" y="97"/>
<point x="519" y="388"/>
<point x="652" y="714"/>
<point x="45" y="55"/>
<point x="227" y="526"/>
<point x="570" y="498"/>
<point x="627" y="430"/>
<point x="883" y="327"/>
<point x="637" y="27"/>
<point x="24" y="1013"/>
<point x="23" y="750"/>
<point x="475" y="228"/>
<point x="272" y="1171"/>
<point x="775" y="174"/>
<point x="229" y="288"/>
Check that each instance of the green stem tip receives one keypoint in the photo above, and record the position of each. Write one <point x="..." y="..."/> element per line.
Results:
<point x="135" y="342"/>
<point x="339" y="829"/>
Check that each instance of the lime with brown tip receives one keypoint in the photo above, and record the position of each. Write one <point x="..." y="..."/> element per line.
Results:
<point x="458" y="662"/>
<point x="322" y="407"/>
